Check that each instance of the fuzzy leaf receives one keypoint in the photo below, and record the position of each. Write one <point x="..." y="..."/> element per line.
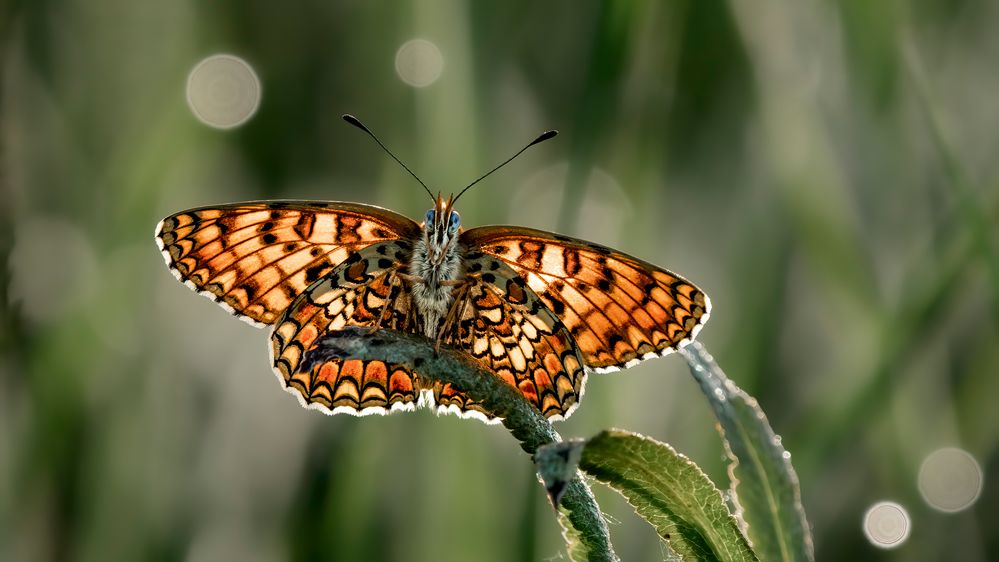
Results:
<point x="764" y="485"/>
<point x="665" y="488"/>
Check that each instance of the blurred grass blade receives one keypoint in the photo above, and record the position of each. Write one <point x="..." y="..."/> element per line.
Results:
<point x="970" y="204"/>
<point x="764" y="484"/>
<point x="665" y="488"/>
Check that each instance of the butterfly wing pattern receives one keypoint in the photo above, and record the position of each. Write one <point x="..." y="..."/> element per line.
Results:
<point x="364" y="290"/>
<point x="498" y="321"/>
<point x="257" y="261"/>
<point x="255" y="258"/>
<point x="504" y="325"/>
<point x="619" y="310"/>
<point x="539" y="310"/>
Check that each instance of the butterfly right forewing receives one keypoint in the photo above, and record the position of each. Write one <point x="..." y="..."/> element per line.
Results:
<point x="619" y="309"/>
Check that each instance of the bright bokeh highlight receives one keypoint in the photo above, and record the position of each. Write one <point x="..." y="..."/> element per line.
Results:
<point x="887" y="524"/>
<point x="419" y="63"/>
<point x="55" y="268"/>
<point x="223" y="91"/>
<point x="950" y="479"/>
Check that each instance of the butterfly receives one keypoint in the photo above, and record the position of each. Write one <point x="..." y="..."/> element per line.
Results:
<point x="537" y="309"/>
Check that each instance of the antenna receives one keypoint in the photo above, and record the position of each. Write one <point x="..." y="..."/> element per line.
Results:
<point x="357" y="123"/>
<point x="541" y="138"/>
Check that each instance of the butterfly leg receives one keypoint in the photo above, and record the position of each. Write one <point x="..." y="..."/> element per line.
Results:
<point x="394" y="288"/>
<point x="456" y="312"/>
<point x="403" y="278"/>
<point x="458" y="306"/>
<point x="409" y="278"/>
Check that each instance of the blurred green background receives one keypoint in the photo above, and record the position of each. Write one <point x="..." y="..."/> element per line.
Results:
<point x="826" y="171"/>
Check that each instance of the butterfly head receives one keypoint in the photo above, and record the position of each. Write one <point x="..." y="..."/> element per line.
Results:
<point x="441" y="228"/>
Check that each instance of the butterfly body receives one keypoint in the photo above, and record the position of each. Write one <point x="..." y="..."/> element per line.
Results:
<point x="435" y="267"/>
<point x="537" y="309"/>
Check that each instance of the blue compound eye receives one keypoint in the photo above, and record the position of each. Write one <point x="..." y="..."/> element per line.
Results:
<point x="430" y="216"/>
<point x="452" y="227"/>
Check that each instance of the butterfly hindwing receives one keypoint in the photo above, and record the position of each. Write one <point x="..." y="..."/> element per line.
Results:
<point x="355" y="386"/>
<point x="618" y="309"/>
<point x="255" y="258"/>
<point x="360" y="291"/>
<point x="504" y="325"/>
<point x="495" y="318"/>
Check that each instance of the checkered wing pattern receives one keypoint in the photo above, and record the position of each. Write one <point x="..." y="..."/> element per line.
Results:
<point x="618" y="309"/>
<point x="255" y="258"/>
<point x="364" y="290"/>
<point x="504" y="325"/>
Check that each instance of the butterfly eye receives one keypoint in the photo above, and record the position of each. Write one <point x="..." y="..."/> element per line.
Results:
<point x="430" y="217"/>
<point x="455" y="222"/>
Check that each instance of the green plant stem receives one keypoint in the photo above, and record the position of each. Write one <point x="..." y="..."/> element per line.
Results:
<point x="588" y="537"/>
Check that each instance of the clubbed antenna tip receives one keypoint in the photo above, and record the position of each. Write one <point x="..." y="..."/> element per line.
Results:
<point x="541" y="138"/>
<point x="357" y="123"/>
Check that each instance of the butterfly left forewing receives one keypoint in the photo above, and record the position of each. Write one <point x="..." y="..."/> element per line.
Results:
<point x="618" y="309"/>
<point x="255" y="258"/>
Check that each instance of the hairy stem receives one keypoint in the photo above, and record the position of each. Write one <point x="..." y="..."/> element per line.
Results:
<point x="521" y="418"/>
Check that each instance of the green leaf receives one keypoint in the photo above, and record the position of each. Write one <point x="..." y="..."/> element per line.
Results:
<point x="665" y="488"/>
<point x="764" y="484"/>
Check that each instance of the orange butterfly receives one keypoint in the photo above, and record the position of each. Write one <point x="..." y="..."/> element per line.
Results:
<point x="537" y="309"/>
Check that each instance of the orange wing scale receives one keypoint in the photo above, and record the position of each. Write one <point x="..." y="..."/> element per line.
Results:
<point x="255" y="258"/>
<point x="355" y="293"/>
<point x="501" y="323"/>
<point x="619" y="309"/>
<point x="505" y="327"/>
<point x="354" y="386"/>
